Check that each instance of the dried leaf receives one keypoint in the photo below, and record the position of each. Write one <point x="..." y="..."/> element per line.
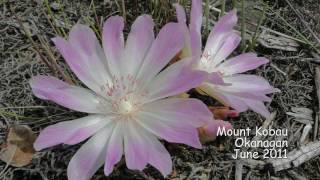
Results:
<point x="18" y="149"/>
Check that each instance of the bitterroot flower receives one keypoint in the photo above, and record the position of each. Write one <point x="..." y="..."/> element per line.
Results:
<point x="224" y="81"/>
<point x="127" y="104"/>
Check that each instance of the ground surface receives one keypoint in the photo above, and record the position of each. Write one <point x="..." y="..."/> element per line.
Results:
<point x="291" y="72"/>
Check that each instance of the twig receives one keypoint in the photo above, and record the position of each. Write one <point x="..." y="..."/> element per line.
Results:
<point x="223" y="7"/>
<point x="239" y="167"/>
<point x="317" y="82"/>
<point x="248" y="175"/>
<point x="316" y="125"/>
<point x="124" y="14"/>
<point x="305" y="133"/>
<point x="24" y="107"/>
<point x="296" y="157"/>
<point x="96" y="16"/>
<point x="206" y="13"/>
<point x="253" y="164"/>
<point x="256" y="35"/>
<point x="234" y="4"/>
<point x="301" y="113"/>
<point x="53" y="60"/>
<point x="50" y="22"/>
<point x="296" y="134"/>
<point x="46" y="2"/>
<point x="296" y="11"/>
<point x="278" y="69"/>
<point x="265" y="125"/>
<point x="296" y="176"/>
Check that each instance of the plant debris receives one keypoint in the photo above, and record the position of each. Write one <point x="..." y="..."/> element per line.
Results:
<point x="18" y="149"/>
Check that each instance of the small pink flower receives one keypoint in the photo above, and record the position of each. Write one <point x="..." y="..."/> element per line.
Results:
<point x="126" y="100"/>
<point x="224" y="81"/>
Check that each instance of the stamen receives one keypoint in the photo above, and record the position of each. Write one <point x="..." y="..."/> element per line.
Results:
<point x="124" y="93"/>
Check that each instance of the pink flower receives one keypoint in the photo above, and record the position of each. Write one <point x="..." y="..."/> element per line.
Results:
<point x="127" y="104"/>
<point x="224" y="81"/>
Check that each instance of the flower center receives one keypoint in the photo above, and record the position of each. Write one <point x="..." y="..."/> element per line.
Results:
<point x="124" y="93"/>
<point x="125" y="107"/>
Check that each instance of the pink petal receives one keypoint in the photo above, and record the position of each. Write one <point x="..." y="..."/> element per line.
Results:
<point x="73" y="97"/>
<point x="113" y="42"/>
<point x="181" y="14"/>
<point x="135" y="147"/>
<point x="196" y="15"/>
<point x="170" y="127"/>
<point x="242" y="63"/>
<point x="70" y="132"/>
<point x="239" y="98"/>
<point x="248" y="83"/>
<point x="216" y="79"/>
<point x="195" y="27"/>
<point x="41" y="82"/>
<point x="251" y="95"/>
<point x="191" y="111"/>
<point x="91" y="71"/>
<point x="175" y="79"/>
<point x="224" y="98"/>
<point x="228" y="46"/>
<point x="90" y="157"/>
<point x="159" y="157"/>
<point x="195" y="43"/>
<point x="114" y="148"/>
<point x="220" y="31"/>
<point x="85" y="42"/>
<point x="167" y="44"/>
<point x="139" y="41"/>
<point x="145" y="148"/>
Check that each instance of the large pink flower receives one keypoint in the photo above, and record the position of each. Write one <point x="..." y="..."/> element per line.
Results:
<point x="224" y="81"/>
<point x="127" y="102"/>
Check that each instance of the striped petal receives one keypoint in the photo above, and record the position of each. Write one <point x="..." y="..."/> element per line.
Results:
<point x="175" y="79"/>
<point x="220" y="31"/>
<point x="167" y="44"/>
<point x="241" y="63"/>
<point x="114" y="148"/>
<point x="70" y="132"/>
<point x="73" y="97"/>
<point x="113" y="43"/>
<point x="135" y="147"/>
<point x="191" y="111"/>
<point x="169" y="126"/>
<point x="138" y="43"/>
<point x="248" y="83"/>
<point x="228" y="46"/>
<point x="84" y="56"/>
<point x="90" y="157"/>
<point x="145" y="148"/>
<point x="195" y="27"/>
